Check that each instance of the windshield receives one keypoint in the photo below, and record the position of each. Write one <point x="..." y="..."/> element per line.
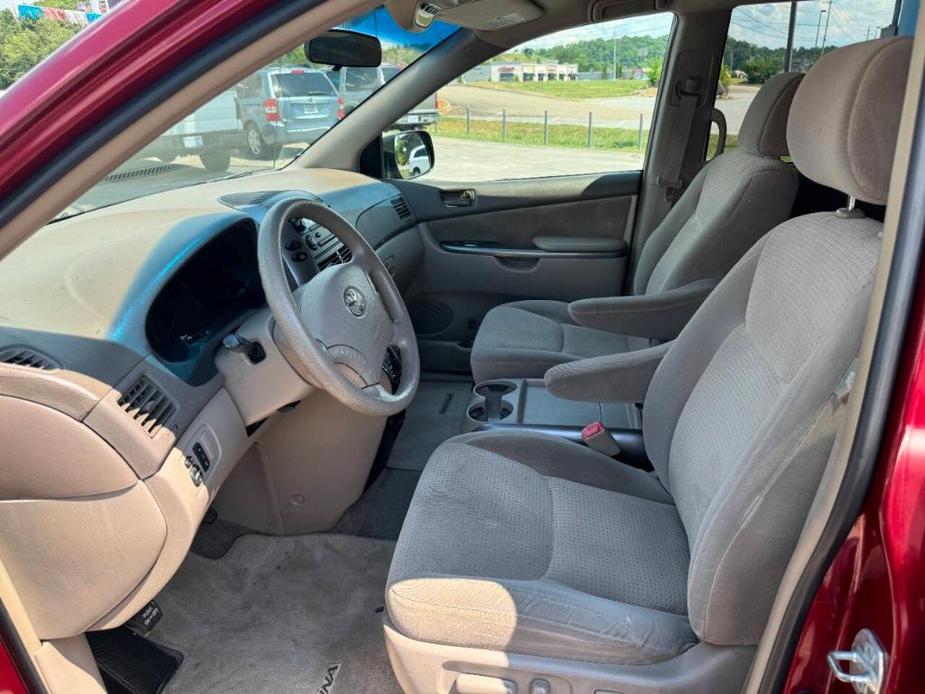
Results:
<point x="264" y="122"/>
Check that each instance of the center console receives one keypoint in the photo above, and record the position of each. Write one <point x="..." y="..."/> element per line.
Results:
<point x="526" y="405"/>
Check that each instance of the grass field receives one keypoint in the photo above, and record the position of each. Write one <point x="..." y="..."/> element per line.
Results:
<point x="575" y="136"/>
<point x="580" y="89"/>
<point x="625" y="139"/>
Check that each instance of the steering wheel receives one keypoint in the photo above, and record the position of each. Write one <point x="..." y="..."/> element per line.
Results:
<point x="339" y="325"/>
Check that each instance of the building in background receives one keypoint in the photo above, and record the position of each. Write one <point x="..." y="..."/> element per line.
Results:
<point x="522" y="72"/>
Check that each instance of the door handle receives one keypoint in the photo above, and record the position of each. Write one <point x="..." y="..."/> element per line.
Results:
<point x="458" y="198"/>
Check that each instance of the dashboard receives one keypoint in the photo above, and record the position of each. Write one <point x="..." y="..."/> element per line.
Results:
<point x="217" y="286"/>
<point x="211" y="292"/>
<point x="110" y="346"/>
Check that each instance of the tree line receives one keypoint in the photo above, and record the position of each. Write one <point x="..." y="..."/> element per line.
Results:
<point x="597" y="55"/>
<point x="25" y="43"/>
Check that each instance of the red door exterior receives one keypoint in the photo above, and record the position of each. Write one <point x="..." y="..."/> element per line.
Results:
<point x="877" y="579"/>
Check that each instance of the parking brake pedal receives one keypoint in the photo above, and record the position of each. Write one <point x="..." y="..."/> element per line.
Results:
<point x="143" y="622"/>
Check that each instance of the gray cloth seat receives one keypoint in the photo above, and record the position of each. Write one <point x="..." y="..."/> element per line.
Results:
<point x="521" y="572"/>
<point x="733" y="201"/>
<point x="525" y="338"/>
<point x="523" y="544"/>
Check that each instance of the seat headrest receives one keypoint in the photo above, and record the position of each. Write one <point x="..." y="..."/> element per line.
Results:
<point x="764" y="128"/>
<point x="845" y="117"/>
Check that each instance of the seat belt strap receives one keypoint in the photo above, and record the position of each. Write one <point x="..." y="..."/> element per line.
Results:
<point x="670" y="179"/>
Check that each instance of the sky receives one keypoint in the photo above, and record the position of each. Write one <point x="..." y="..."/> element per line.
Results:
<point x="849" y="21"/>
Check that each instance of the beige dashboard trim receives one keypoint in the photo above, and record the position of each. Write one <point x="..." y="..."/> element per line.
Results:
<point x="259" y="390"/>
<point x="183" y="504"/>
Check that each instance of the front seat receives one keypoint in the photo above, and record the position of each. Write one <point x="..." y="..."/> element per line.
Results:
<point x="736" y="199"/>
<point x="526" y="558"/>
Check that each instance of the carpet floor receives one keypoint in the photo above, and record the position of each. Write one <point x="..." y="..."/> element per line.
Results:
<point x="281" y="614"/>
<point x="381" y="511"/>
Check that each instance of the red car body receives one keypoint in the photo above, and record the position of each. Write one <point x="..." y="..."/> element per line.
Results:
<point x="875" y="580"/>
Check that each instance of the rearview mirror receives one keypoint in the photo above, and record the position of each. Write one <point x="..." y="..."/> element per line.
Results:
<point x="342" y="48"/>
<point x="407" y="154"/>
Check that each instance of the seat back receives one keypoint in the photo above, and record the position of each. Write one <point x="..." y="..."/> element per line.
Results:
<point x="735" y="199"/>
<point x="741" y="415"/>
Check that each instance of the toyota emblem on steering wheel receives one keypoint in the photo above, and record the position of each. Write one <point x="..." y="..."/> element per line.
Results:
<point x="355" y="301"/>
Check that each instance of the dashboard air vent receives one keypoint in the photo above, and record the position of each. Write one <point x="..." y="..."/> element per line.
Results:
<point x="23" y="356"/>
<point x="339" y="257"/>
<point x="238" y="200"/>
<point x="401" y="207"/>
<point x="148" y="405"/>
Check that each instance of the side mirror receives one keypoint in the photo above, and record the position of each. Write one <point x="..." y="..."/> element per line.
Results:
<point x="407" y="154"/>
<point x="342" y="48"/>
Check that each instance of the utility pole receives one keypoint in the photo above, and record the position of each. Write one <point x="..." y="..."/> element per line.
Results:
<point x="614" y="37"/>
<point x="825" y="32"/>
<point x="791" y="29"/>
<point x="818" y="27"/>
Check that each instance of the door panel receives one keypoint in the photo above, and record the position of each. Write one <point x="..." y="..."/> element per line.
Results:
<point x="561" y="238"/>
<point x="518" y="228"/>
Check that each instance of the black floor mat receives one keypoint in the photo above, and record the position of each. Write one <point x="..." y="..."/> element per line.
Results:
<point x="131" y="664"/>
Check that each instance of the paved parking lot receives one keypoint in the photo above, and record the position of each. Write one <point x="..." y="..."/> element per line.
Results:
<point x="468" y="160"/>
<point x="457" y="161"/>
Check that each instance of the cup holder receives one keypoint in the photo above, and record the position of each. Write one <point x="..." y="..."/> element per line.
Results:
<point x="495" y="389"/>
<point x="492" y="407"/>
<point x="493" y="411"/>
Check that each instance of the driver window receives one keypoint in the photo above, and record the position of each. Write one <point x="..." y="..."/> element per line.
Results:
<point x="573" y="102"/>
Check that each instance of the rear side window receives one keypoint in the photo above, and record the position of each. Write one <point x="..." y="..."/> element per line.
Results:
<point x="289" y="84"/>
<point x="757" y="46"/>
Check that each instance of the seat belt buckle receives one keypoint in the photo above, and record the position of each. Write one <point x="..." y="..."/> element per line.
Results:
<point x="598" y="438"/>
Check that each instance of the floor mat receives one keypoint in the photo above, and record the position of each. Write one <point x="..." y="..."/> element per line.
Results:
<point x="281" y="614"/>
<point x="131" y="664"/>
<point x="381" y="510"/>
<point x="435" y="415"/>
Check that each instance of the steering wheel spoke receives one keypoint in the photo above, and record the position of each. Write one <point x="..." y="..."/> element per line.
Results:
<point x="341" y="323"/>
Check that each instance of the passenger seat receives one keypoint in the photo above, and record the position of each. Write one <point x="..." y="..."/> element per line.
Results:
<point x="731" y="203"/>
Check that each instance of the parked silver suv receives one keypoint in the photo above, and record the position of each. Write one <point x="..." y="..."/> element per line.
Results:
<point x="286" y="105"/>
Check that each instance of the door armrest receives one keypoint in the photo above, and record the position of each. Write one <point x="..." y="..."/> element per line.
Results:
<point x="580" y="244"/>
<point x="620" y="377"/>
<point x="659" y="316"/>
